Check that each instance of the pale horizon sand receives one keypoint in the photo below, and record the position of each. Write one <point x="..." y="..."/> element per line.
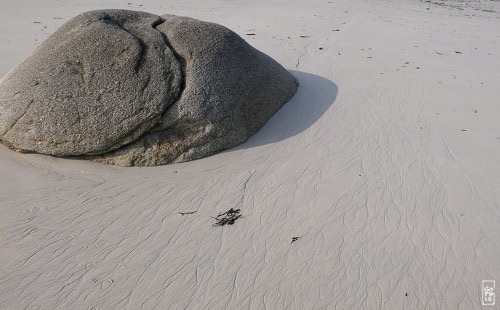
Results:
<point x="384" y="171"/>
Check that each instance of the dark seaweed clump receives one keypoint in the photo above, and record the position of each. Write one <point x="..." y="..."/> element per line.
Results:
<point x="227" y="218"/>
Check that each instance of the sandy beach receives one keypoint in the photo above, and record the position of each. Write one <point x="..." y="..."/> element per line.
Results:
<point x="376" y="187"/>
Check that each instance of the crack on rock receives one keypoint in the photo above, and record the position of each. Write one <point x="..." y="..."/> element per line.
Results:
<point x="146" y="85"/>
<point x="182" y="61"/>
<point x="144" y="49"/>
<point x="143" y="52"/>
<point x="17" y="120"/>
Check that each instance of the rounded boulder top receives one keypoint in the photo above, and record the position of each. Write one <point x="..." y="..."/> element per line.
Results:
<point x="132" y="88"/>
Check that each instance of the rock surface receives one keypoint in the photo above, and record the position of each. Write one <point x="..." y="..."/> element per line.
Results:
<point x="131" y="88"/>
<point x="99" y="82"/>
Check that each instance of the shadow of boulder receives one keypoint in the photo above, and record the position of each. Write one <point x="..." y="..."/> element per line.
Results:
<point x="313" y="98"/>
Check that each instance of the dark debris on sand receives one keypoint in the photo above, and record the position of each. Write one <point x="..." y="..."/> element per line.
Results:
<point x="227" y="218"/>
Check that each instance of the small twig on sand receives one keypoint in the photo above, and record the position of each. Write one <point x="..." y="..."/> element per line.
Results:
<point x="295" y="239"/>
<point x="187" y="213"/>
